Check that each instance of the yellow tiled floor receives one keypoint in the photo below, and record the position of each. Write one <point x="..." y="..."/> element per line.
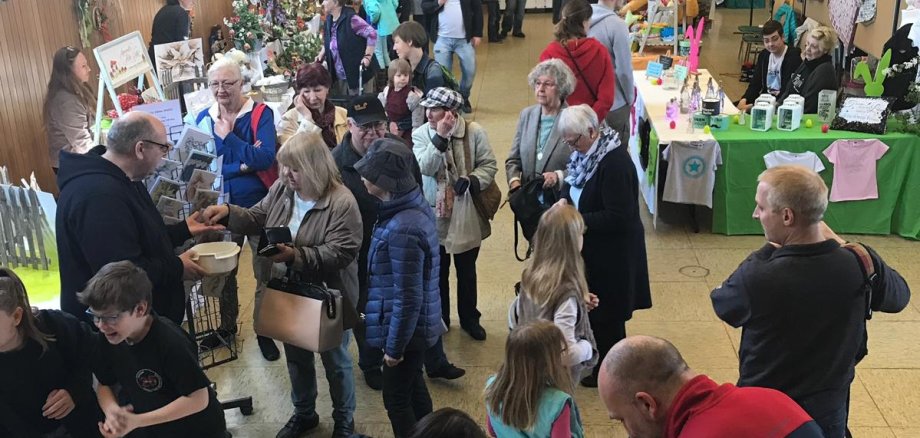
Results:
<point x="684" y="267"/>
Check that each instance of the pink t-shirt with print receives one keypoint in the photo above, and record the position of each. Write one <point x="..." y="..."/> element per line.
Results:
<point x="855" y="168"/>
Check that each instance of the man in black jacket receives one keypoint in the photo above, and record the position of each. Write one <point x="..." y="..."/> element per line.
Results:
<point x="802" y="300"/>
<point x="459" y="26"/>
<point x="775" y="64"/>
<point x="105" y="214"/>
<point x="366" y="124"/>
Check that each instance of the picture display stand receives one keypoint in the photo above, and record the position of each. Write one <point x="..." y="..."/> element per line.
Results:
<point x="120" y="61"/>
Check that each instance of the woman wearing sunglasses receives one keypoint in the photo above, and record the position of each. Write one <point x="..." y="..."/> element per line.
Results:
<point x="69" y="105"/>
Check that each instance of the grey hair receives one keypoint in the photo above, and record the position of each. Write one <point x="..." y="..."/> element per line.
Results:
<point x="556" y="69"/>
<point x="225" y="64"/>
<point x="578" y="119"/>
<point x="126" y="132"/>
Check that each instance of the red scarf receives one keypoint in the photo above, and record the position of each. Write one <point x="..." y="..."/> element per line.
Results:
<point x="326" y="123"/>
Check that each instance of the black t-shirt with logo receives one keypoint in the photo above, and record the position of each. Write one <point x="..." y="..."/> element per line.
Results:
<point x="156" y="371"/>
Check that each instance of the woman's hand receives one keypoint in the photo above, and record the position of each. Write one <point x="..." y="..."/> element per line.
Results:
<point x="213" y="214"/>
<point x="592" y="301"/>
<point x="446" y="124"/>
<point x="58" y="404"/>
<point x="366" y="60"/>
<point x="197" y="228"/>
<point x="417" y="92"/>
<point x="390" y="361"/>
<point x="285" y="254"/>
<point x="300" y="105"/>
<point x="550" y="179"/>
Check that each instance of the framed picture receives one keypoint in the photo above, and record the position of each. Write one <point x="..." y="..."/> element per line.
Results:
<point x="123" y="60"/>
<point x="863" y="114"/>
<point x="179" y="61"/>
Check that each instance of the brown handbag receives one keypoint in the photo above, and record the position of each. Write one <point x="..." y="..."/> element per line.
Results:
<point x="305" y="315"/>
<point x="488" y="200"/>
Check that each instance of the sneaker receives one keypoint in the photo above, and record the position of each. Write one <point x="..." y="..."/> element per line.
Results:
<point x="475" y="331"/>
<point x="374" y="379"/>
<point x="269" y="349"/>
<point x="590" y="381"/>
<point x="298" y="425"/>
<point x="449" y="372"/>
<point x="215" y="339"/>
<point x="518" y="34"/>
<point x="467" y="108"/>
<point x="503" y="35"/>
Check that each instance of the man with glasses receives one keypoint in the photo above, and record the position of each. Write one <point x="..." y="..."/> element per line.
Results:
<point x="366" y="124"/>
<point x="105" y="214"/>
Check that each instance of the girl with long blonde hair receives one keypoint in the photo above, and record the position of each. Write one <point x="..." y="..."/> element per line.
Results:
<point x="553" y="287"/>
<point x="532" y="393"/>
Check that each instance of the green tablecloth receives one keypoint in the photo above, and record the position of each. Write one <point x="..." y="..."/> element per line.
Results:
<point x="897" y="211"/>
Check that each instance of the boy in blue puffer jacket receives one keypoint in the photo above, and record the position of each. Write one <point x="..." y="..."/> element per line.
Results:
<point x="403" y="312"/>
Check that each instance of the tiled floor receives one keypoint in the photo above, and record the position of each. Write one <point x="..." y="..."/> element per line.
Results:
<point x="684" y="267"/>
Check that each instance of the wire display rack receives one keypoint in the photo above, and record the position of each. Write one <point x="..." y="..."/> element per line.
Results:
<point x="203" y="318"/>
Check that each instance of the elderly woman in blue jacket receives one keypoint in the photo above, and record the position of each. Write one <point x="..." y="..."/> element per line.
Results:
<point x="403" y="312"/>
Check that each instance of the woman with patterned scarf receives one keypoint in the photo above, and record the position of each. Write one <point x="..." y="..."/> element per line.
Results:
<point x="312" y="111"/>
<point x="601" y="183"/>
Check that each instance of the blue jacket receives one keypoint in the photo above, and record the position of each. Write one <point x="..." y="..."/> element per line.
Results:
<point x="403" y="309"/>
<point x="245" y="188"/>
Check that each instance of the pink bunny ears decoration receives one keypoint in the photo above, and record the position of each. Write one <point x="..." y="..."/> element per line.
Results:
<point x="693" y="60"/>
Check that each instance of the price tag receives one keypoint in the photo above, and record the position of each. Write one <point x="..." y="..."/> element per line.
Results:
<point x="653" y="70"/>
<point x="666" y="61"/>
<point x="681" y="72"/>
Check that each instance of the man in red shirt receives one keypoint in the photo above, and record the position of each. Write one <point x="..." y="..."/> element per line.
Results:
<point x="646" y="384"/>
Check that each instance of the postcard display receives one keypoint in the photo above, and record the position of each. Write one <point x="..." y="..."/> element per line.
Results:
<point x="188" y="178"/>
<point x="120" y="61"/>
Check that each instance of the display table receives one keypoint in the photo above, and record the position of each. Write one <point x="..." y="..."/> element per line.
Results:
<point x="896" y="211"/>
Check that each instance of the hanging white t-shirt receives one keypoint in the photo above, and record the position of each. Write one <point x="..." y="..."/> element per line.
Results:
<point x="854" y="168"/>
<point x="691" y="171"/>
<point x="775" y="72"/>
<point x="808" y="160"/>
<point x="450" y="20"/>
<point x="299" y="210"/>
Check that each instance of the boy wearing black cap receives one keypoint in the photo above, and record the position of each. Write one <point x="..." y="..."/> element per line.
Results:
<point x="403" y="312"/>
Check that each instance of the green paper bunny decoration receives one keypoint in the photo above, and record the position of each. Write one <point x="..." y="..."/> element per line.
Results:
<point x="874" y="87"/>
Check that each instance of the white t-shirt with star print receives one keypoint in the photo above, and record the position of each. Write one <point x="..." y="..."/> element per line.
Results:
<point x="691" y="171"/>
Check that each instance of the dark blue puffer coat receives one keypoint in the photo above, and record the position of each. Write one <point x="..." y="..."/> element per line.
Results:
<point x="404" y="302"/>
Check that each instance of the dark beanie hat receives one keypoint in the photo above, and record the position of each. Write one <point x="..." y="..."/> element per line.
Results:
<point x="388" y="164"/>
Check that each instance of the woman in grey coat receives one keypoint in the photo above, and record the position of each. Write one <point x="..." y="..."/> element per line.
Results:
<point x="537" y="151"/>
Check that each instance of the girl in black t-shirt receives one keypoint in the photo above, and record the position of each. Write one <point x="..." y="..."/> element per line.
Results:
<point x="45" y="379"/>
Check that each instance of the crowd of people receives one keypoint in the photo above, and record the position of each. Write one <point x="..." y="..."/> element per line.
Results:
<point x="377" y="195"/>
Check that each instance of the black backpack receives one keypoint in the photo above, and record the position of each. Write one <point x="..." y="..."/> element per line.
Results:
<point x="528" y="208"/>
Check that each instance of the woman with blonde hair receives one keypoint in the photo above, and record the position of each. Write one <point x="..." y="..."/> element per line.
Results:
<point x="816" y="72"/>
<point x="532" y="393"/>
<point x="553" y="287"/>
<point x="46" y="384"/>
<point x="310" y="199"/>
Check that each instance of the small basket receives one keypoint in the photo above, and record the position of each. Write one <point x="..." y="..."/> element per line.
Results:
<point x="274" y="92"/>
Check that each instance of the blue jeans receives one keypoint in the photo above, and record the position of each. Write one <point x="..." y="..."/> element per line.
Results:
<point x="444" y="50"/>
<point x="337" y="363"/>
<point x="514" y="16"/>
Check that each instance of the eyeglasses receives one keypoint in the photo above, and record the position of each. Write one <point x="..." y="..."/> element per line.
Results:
<point x="572" y="143"/>
<point x="225" y="85"/>
<point x="104" y="319"/>
<point x="371" y="127"/>
<point x="165" y="147"/>
<point x="544" y="84"/>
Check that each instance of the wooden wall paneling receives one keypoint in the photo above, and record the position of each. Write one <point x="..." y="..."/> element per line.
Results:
<point x="30" y="32"/>
<point x="870" y="38"/>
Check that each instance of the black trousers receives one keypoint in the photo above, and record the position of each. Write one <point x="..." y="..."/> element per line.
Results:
<point x="466" y="286"/>
<point x="494" y="19"/>
<point x="607" y="332"/>
<point x="405" y="395"/>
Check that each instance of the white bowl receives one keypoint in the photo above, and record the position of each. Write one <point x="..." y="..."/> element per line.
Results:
<point x="216" y="257"/>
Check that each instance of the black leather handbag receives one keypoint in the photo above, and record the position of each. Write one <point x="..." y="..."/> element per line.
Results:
<point x="528" y="207"/>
